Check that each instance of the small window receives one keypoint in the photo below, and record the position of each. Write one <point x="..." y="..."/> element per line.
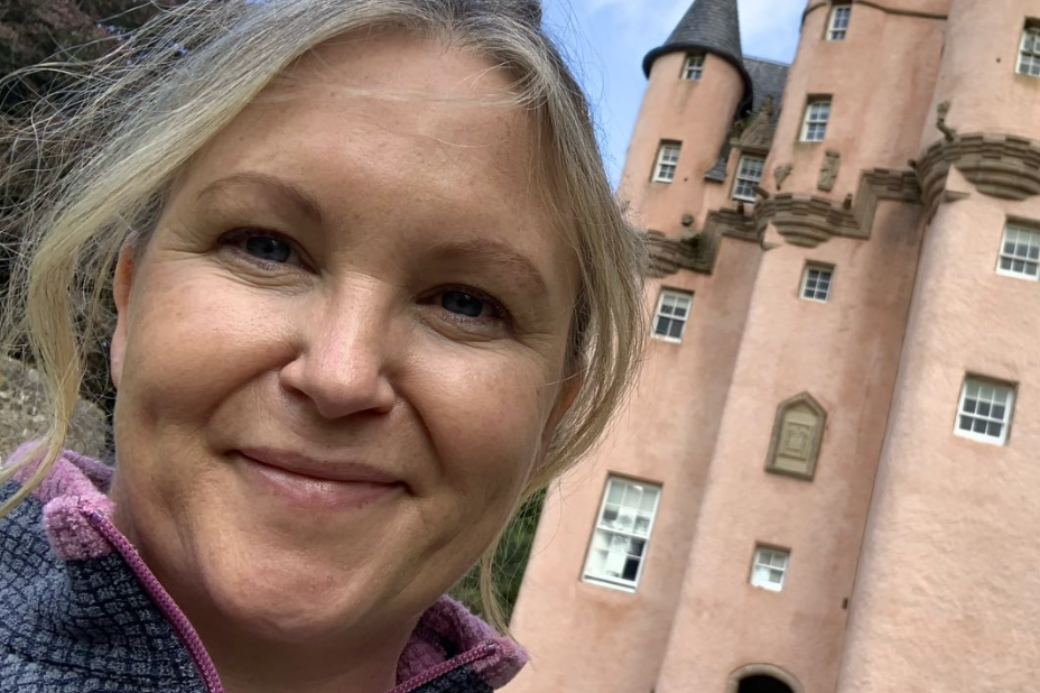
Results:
<point x="985" y="410"/>
<point x="1029" y="51"/>
<point x="838" y="26"/>
<point x="667" y="162"/>
<point x="693" y="68"/>
<point x="618" y="549"/>
<point x="817" y="115"/>
<point x="816" y="283"/>
<point x="749" y="175"/>
<point x="673" y="309"/>
<point x="1020" y="253"/>
<point x="770" y="568"/>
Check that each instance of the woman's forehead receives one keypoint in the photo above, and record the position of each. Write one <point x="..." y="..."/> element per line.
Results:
<point x="396" y="127"/>
<point x="398" y="65"/>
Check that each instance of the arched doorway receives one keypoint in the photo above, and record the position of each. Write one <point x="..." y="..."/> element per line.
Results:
<point x="762" y="684"/>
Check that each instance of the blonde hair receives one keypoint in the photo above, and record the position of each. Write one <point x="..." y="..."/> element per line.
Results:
<point x="97" y="169"/>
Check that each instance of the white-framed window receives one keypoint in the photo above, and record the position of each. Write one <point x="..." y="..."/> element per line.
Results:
<point x="1019" y="253"/>
<point x="693" y="68"/>
<point x="673" y="310"/>
<point x="667" y="162"/>
<point x="816" y="283"/>
<point x="817" y="116"/>
<point x="984" y="413"/>
<point x="617" y="552"/>
<point x="838" y="24"/>
<point x="770" y="568"/>
<point x="749" y="175"/>
<point x="1029" y="51"/>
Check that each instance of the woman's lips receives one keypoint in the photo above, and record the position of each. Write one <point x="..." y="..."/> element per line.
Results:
<point x="318" y="485"/>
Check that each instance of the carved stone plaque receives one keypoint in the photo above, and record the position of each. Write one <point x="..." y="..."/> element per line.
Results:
<point x="795" y="441"/>
<point x="797" y="434"/>
<point x="829" y="171"/>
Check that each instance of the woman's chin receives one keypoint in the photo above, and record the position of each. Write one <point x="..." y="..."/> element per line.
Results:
<point x="277" y="602"/>
<point x="289" y="616"/>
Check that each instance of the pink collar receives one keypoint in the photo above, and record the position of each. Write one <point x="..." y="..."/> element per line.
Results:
<point x="77" y="516"/>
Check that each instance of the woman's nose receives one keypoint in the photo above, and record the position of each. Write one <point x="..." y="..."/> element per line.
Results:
<point x="344" y="358"/>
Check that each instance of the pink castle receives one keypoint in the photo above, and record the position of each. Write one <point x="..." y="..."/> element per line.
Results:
<point x="828" y="477"/>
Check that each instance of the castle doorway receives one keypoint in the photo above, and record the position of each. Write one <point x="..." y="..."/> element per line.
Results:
<point x="763" y="684"/>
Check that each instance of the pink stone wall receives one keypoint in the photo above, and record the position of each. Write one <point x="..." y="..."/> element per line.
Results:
<point x="949" y="565"/>
<point x="947" y="572"/>
<point x="978" y="76"/>
<point x="698" y="114"/>
<point x="930" y="535"/>
<point x="845" y="353"/>
<point x="881" y="96"/>
<point x="667" y="433"/>
<point x="665" y="436"/>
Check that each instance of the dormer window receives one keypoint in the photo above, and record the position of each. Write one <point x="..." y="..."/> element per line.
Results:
<point x="1029" y="51"/>
<point x="693" y="68"/>
<point x="838" y="24"/>
<point x="749" y="175"/>
<point x="817" y="117"/>
<point x="667" y="162"/>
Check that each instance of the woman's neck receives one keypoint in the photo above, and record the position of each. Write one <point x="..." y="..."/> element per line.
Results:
<point x="346" y="666"/>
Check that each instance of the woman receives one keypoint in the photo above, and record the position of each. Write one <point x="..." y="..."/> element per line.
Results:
<point x="372" y="292"/>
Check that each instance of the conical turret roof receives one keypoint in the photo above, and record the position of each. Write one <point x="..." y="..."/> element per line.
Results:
<point x="712" y="26"/>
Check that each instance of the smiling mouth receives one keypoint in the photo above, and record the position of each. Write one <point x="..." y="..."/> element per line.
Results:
<point x="309" y="485"/>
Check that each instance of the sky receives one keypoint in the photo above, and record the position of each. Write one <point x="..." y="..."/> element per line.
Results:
<point x="605" y="41"/>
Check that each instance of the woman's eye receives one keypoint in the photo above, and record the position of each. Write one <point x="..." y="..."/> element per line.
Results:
<point x="468" y="308"/>
<point x="268" y="249"/>
<point x="461" y="303"/>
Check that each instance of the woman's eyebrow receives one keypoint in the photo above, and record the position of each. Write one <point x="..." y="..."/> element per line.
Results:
<point x="288" y="193"/>
<point x="502" y="257"/>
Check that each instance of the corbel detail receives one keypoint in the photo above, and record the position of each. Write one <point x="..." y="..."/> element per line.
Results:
<point x="669" y="254"/>
<point x="808" y="220"/>
<point x="1003" y="166"/>
<point x="803" y="220"/>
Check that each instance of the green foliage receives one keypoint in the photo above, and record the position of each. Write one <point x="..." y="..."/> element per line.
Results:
<point x="510" y="560"/>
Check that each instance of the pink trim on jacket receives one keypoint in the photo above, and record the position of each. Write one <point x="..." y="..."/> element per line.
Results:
<point x="77" y="516"/>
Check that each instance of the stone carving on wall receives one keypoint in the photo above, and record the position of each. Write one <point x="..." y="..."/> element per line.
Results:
<point x="795" y="441"/>
<point x="757" y="135"/>
<point x="948" y="133"/>
<point x="780" y="174"/>
<point x="797" y="434"/>
<point x="829" y="171"/>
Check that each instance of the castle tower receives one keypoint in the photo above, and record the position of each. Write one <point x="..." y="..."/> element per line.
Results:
<point x="774" y="558"/>
<point x="601" y="591"/>
<point x="822" y="481"/>
<point x="943" y="599"/>
<point x="697" y="85"/>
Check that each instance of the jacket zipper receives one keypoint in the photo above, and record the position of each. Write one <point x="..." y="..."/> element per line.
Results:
<point x="186" y="632"/>
<point x="163" y="600"/>
<point x="443" y="668"/>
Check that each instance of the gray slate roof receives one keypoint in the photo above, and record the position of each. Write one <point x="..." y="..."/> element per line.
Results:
<point x="712" y="26"/>
<point x="768" y="79"/>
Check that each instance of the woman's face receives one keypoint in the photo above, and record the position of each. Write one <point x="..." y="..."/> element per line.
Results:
<point x="343" y="350"/>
